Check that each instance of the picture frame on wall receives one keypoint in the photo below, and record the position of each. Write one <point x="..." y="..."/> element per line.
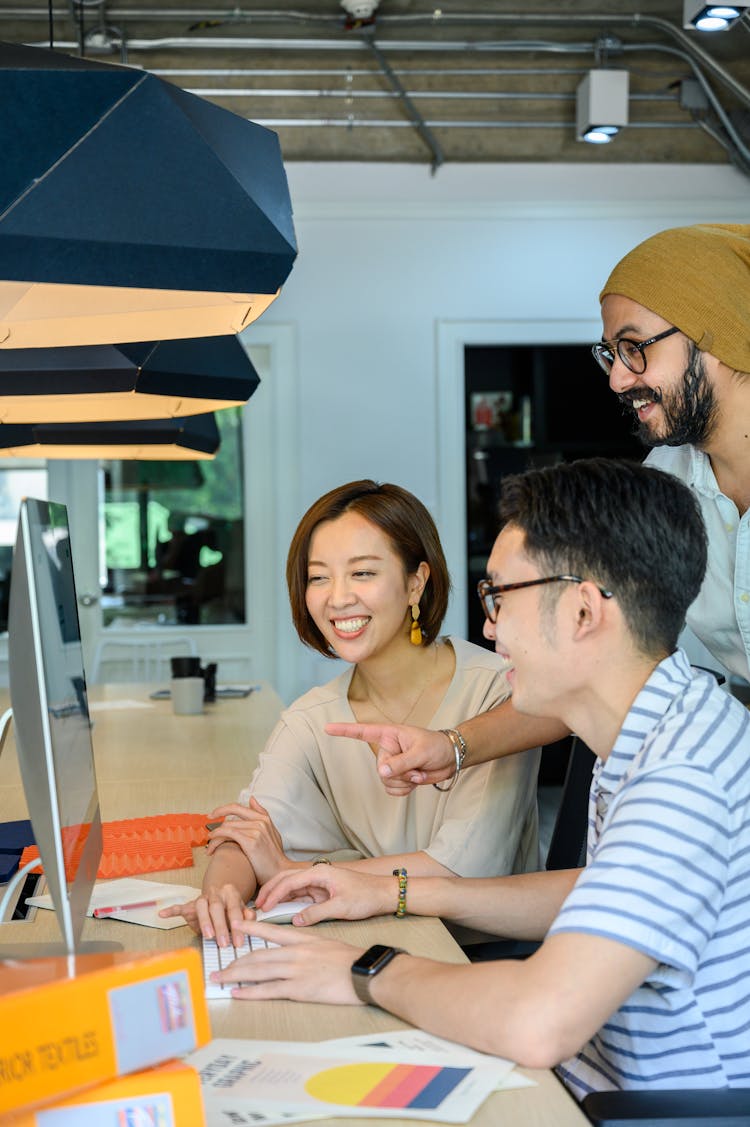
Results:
<point x="491" y="410"/>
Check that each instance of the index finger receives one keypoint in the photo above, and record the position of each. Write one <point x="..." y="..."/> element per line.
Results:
<point x="386" y="736"/>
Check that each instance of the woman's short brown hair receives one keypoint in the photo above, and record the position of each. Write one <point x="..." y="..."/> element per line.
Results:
<point x="412" y="533"/>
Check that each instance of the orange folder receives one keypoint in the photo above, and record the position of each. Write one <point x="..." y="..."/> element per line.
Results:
<point x="168" y="1094"/>
<point x="67" y="1023"/>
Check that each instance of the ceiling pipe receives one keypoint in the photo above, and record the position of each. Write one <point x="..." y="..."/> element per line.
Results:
<point x="417" y="95"/>
<point x="448" y="123"/>
<point x="733" y="143"/>
<point x="527" y="19"/>
<point x="737" y="147"/>
<point x="411" y="110"/>
<point x="275" y="44"/>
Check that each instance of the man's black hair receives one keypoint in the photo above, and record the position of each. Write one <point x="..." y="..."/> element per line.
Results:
<point x="632" y="529"/>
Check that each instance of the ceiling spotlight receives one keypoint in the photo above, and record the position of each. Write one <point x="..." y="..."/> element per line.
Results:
<point x="602" y="105"/>
<point x="710" y="17"/>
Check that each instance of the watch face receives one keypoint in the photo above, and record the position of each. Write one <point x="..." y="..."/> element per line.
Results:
<point x="373" y="959"/>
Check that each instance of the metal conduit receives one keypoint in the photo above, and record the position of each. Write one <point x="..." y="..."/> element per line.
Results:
<point x="358" y="72"/>
<point x="527" y="19"/>
<point x="433" y="95"/>
<point x="373" y="123"/>
<point x="690" y="53"/>
<point x="737" y="146"/>
<point x="222" y="43"/>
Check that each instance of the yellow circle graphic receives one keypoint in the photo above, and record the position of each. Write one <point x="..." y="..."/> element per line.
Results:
<point x="349" y="1083"/>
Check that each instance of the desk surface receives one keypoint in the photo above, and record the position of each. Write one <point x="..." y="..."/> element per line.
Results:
<point x="149" y="761"/>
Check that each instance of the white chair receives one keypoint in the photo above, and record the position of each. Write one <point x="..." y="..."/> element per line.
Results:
<point x="140" y="659"/>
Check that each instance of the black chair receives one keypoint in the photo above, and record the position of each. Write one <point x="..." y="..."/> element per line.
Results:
<point x="567" y="848"/>
<point x="725" y="1107"/>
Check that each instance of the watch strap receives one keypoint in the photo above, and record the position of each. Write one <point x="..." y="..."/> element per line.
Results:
<point x="362" y="977"/>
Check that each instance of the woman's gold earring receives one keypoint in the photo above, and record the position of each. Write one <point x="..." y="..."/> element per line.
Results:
<point x="416" y="632"/>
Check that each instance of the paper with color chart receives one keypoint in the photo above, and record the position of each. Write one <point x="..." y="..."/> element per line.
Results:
<point x="239" y="1077"/>
<point x="131" y="890"/>
<point x="415" y="1040"/>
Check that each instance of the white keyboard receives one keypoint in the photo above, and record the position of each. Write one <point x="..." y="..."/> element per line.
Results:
<point x="219" y="958"/>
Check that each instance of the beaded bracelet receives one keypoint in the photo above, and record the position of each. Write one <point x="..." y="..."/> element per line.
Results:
<point x="401" y="906"/>
<point x="459" y="750"/>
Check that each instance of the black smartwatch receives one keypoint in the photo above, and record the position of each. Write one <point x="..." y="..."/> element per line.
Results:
<point x="368" y="965"/>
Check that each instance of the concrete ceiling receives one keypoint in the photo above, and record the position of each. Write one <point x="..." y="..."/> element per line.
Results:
<point x="476" y="80"/>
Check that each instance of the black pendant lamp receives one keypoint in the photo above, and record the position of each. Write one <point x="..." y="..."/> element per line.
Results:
<point x="193" y="438"/>
<point x="126" y="381"/>
<point x="130" y="209"/>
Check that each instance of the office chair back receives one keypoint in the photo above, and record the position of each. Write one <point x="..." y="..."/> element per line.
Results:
<point x="567" y="848"/>
<point x="137" y="659"/>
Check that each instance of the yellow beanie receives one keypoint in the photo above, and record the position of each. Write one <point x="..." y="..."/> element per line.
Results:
<point x="697" y="278"/>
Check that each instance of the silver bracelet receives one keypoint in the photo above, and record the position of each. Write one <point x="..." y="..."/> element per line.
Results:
<point x="458" y="743"/>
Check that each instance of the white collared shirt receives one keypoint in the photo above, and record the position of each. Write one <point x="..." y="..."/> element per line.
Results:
<point x="720" y="616"/>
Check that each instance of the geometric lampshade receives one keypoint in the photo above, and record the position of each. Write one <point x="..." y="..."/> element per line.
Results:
<point x="195" y="437"/>
<point x="92" y="383"/>
<point x="131" y="210"/>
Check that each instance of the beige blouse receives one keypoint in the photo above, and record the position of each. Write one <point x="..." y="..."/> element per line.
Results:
<point x="324" y="794"/>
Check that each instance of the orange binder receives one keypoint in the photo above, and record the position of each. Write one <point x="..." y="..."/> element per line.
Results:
<point x="168" y="1096"/>
<point x="67" y="1023"/>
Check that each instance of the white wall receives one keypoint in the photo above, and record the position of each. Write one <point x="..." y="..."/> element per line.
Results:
<point x="387" y="253"/>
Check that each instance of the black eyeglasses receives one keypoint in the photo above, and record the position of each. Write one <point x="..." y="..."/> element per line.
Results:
<point x="631" y="352"/>
<point x="489" y="596"/>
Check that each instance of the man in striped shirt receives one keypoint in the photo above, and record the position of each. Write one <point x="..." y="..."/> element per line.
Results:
<point x="643" y="978"/>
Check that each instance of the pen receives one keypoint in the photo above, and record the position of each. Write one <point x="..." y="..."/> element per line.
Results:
<point x="125" y="908"/>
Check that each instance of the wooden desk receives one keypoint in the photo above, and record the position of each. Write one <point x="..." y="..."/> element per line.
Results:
<point x="148" y="762"/>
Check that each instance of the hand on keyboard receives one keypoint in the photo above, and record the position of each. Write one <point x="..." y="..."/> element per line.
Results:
<point x="218" y="958"/>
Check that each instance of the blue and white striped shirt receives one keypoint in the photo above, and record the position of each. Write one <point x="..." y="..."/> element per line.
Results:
<point x="668" y="873"/>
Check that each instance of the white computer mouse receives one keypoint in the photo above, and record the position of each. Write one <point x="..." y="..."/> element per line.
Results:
<point x="284" y="912"/>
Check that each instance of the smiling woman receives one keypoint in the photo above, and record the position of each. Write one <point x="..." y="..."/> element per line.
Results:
<point x="368" y="583"/>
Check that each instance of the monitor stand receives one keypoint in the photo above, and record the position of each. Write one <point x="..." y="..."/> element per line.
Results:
<point x="5" y="720"/>
<point x="22" y="951"/>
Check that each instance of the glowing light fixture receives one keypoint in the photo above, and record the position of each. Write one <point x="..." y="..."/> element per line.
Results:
<point x="710" y="17"/>
<point x="602" y="105"/>
<point x="193" y="438"/>
<point x="93" y="383"/>
<point x="130" y="209"/>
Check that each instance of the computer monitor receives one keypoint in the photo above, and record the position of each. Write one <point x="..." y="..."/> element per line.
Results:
<point x="51" y="716"/>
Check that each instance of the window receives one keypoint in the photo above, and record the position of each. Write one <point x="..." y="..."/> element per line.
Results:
<point x="173" y="538"/>
<point x="27" y="480"/>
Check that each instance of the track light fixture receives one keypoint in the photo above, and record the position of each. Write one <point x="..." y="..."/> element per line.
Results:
<point x="710" y="17"/>
<point x="602" y="105"/>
